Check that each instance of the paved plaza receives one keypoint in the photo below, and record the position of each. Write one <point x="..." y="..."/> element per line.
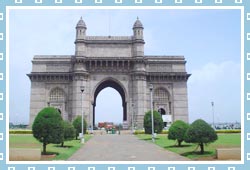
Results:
<point x="123" y="147"/>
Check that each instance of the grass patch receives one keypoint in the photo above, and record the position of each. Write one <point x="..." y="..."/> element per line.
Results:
<point x="61" y="153"/>
<point x="191" y="150"/>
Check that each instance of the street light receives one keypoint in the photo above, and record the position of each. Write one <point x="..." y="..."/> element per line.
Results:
<point x="152" y="116"/>
<point x="82" y="135"/>
<point x="132" y="128"/>
<point x="212" y="103"/>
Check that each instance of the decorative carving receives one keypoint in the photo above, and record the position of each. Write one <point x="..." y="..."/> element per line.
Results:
<point x="47" y="77"/>
<point x="160" y="67"/>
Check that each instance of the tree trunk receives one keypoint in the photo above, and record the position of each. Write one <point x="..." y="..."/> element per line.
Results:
<point x="62" y="144"/>
<point x="202" y="148"/>
<point x="179" y="143"/>
<point x="44" y="148"/>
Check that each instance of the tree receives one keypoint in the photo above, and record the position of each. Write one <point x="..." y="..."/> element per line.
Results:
<point x="201" y="133"/>
<point x="77" y="123"/>
<point x="68" y="132"/>
<point x="177" y="131"/>
<point x="48" y="127"/>
<point x="158" y="122"/>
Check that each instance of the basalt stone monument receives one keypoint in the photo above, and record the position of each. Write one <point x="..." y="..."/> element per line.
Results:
<point x="110" y="61"/>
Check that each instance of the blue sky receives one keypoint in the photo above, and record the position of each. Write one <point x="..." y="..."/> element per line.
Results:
<point x="209" y="40"/>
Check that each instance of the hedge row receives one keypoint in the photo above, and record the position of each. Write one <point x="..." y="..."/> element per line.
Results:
<point x="137" y="132"/>
<point x="20" y="132"/>
<point x="229" y="131"/>
<point x="28" y="132"/>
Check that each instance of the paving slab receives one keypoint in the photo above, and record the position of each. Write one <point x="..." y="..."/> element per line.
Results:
<point x="114" y="147"/>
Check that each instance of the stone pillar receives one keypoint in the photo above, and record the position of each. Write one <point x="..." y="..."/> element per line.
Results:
<point x="139" y="97"/>
<point x="80" y="102"/>
<point x="180" y="101"/>
<point x="76" y="96"/>
<point x="37" y="99"/>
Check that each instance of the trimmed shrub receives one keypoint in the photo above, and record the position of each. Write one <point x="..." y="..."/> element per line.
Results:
<point x="20" y="132"/>
<point x="164" y="132"/>
<point x="68" y="132"/>
<point x="77" y="123"/>
<point x="177" y="131"/>
<point x="137" y="132"/>
<point x="228" y="131"/>
<point x="48" y="127"/>
<point x="200" y="133"/>
<point x="158" y="122"/>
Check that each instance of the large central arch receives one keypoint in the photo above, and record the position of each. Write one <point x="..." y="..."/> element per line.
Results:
<point x="110" y="82"/>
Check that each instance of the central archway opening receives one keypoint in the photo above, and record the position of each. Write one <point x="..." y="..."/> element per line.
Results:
<point x="108" y="107"/>
<point x="110" y="90"/>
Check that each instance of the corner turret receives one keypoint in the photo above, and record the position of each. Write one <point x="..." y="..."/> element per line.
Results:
<point x="80" y="37"/>
<point x="80" y="29"/>
<point x="138" y="41"/>
<point x="138" y="30"/>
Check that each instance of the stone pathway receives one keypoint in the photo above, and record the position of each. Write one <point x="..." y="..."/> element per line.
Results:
<point x="122" y="148"/>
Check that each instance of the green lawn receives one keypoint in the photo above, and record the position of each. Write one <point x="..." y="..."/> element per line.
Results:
<point x="190" y="150"/>
<point x="62" y="153"/>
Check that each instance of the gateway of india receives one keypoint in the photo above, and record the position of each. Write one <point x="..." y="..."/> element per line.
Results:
<point x="72" y="83"/>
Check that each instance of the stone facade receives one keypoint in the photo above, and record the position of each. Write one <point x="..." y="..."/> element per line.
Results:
<point x="109" y="61"/>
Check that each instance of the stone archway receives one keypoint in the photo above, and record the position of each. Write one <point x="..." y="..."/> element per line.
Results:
<point x="96" y="59"/>
<point x="118" y="87"/>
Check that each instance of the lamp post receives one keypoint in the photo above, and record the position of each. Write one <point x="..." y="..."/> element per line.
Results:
<point x="212" y="103"/>
<point x="132" y="128"/>
<point x="152" y="115"/>
<point x="82" y="135"/>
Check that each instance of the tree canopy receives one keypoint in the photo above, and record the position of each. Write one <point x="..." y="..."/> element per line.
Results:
<point x="77" y="123"/>
<point x="158" y="122"/>
<point x="68" y="132"/>
<point x="201" y="133"/>
<point x="177" y="131"/>
<point x="48" y="127"/>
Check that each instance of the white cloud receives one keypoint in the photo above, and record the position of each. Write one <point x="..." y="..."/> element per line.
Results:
<point x="219" y="83"/>
<point x="213" y="72"/>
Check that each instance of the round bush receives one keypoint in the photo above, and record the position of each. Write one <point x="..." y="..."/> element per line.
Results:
<point x="48" y="127"/>
<point x="77" y="123"/>
<point x="158" y="122"/>
<point x="68" y="132"/>
<point x="201" y="133"/>
<point x="177" y="131"/>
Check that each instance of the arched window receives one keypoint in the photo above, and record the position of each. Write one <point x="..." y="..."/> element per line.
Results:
<point x="56" y="95"/>
<point x="162" y="101"/>
<point x="161" y="95"/>
<point x="162" y="111"/>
